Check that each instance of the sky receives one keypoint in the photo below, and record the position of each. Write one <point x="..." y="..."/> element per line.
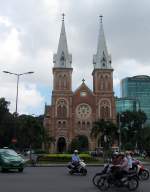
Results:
<point x="29" y="35"/>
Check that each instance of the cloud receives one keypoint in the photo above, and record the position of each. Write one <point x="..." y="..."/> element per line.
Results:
<point x="29" y="34"/>
<point x="128" y="68"/>
<point x="28" y="97"/>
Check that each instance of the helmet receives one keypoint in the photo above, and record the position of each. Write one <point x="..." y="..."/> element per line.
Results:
<point x="75" y="151"/>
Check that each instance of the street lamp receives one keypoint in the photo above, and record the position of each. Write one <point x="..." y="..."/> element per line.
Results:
<point x="18" y="76"/>
<point x="119" y="130"/>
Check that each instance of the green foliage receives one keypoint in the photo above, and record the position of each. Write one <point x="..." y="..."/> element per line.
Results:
<point x="103" y="129"/>
<point x="80" y="143"/>
<point x="6" y="123"/>
<point x="28" y="130"/>
<point x="146" y="138"/>
<point x="132" y="129"/>
<point x="128" y="146"/>
<point x="106" y="132"/>
<point x="64" y="158"/>
<point x="74" y="144"/>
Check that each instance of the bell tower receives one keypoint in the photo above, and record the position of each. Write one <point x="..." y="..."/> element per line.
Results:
<point x="103" y="79"/>
<point x="62" y="94"/>
<point x="62" y="60"/>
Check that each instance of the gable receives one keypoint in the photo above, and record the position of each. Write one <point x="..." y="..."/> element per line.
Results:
<point x="83" y="91"/>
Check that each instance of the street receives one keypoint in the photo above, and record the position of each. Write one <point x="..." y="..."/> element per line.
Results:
<point x="54" y="179"/>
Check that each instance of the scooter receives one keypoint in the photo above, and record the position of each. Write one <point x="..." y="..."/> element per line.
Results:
<point x="77" y="169"/>
<point x="142" y="172"/>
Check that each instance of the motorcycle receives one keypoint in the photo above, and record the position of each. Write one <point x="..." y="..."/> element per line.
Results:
<point x="130" y="181"/>
<point x="142" y="172"/>
<point x="78" y="169"/>
<point x="97" y="176"/>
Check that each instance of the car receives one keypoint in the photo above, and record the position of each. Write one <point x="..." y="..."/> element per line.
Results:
<point x="9" y="159"/>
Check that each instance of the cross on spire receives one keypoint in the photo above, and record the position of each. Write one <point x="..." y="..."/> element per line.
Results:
<point x="83" y="80"/>
<point x="101" y="18"/>
<point x="63" y="16"/>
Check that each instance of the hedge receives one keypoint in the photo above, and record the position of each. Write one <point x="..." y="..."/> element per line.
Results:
<point x="64" y="158"/>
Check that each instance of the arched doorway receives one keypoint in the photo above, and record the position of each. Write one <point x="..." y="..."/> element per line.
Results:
<point x="61" y="145"/>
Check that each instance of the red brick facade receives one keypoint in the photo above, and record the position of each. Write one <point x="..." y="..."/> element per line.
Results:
<point x="73" y="112"/>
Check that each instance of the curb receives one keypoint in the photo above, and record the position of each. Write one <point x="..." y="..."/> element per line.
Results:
<point x="61" y="165"/>
<point x="65" y="165"/>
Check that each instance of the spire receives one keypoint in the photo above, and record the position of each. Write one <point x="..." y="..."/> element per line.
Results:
<point x="102" y="59"/>
<point x="62" y="59"/>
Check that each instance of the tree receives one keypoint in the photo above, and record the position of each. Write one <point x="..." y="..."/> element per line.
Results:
<point x="146" y="139"/>
<point x="30" y="132"/>
<point x="132" y="127"/>
<point x="80" y="142"/>
<point x="6" y="123"/>
<point x="107" y="132"/>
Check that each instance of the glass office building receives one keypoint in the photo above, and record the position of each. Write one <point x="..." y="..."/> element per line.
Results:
<point x="138" y="87"/>
<point x="126" y="104"/>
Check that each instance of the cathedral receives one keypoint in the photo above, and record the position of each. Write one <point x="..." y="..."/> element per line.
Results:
<point x="72" y="113"/>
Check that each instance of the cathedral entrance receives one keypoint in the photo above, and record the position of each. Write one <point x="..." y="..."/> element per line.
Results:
<point x="61" y="145"/>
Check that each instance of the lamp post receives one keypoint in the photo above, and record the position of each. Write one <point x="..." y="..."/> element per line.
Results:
<point x="119" y="130"/>
<point x="16" y="108"/>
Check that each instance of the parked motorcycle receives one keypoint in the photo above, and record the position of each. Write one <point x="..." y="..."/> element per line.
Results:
<point x="130" y="181"/>
<point x="78" y="169"/>
<point x="142" y="172"/>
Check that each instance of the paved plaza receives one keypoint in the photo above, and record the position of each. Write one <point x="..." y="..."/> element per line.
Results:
<point x="53" y="179"/>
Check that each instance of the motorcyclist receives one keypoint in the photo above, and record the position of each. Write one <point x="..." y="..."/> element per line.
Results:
<point x="129" y="158"/>
<point x="75" y="158"/>
<point x="122" y="167"/>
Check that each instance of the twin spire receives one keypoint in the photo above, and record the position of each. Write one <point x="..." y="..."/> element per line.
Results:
<point x="101" y="60"/>
<point x="63" y="59"/>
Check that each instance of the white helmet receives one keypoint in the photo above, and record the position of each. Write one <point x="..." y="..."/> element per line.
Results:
<point x="75" y="151"/>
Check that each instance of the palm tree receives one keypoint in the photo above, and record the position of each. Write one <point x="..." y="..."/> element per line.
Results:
<point x="107" y="132"/>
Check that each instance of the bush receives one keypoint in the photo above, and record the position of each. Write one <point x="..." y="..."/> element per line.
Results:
<point x="64" y="158"/>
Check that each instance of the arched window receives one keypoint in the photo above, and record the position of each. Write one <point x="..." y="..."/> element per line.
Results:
<point x="104" y="60"/>
<point x="59" y="111"/>
<point x="88" y="125"/>
<point x="65" y="82"/>
<point x="101" y="83"/>
<point x="59" y="80"/>
<point x="59" y="124"/>
<point x="64" y="124"/>
<point x="106" y="82"/>
<point x="62" y="59"/>
<point x="102" y="112"/>
<point x="79" y="124"/>
<point x="62" y="109"/>
<point x="83" y="125"/>
<point x="105" y="110"/>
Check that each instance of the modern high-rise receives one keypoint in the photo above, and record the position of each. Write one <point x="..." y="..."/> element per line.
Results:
<point x="127" y="104"/>
<point x="138" y="87"/>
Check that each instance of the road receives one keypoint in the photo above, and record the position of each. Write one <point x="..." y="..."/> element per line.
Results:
<point x="53" y="179"/>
